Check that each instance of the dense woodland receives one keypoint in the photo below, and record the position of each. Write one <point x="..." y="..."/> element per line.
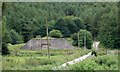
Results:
<point x="24" y="21"/>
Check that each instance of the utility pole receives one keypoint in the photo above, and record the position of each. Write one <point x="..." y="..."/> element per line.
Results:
<point x="47" y="38"/>
<point x="78" y="39"/>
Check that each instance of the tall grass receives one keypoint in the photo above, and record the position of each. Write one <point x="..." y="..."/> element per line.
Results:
<point x="28" y="59"/>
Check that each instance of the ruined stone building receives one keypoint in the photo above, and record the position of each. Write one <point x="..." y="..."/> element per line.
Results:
<point x="37" y="44"/>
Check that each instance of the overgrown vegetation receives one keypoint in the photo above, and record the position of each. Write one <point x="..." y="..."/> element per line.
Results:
<point x="105" y="62"/>
<point x="26" y="59"/>
<point x="85" y="39"/>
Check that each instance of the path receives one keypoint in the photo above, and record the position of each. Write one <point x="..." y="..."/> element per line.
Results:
<point x="95" y="45"/>
<point x="74" y="61"/>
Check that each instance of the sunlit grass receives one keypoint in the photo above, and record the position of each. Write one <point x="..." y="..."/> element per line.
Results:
<point x="15" y="47"/>
<point x="37" y="59"/>
<point x="105" y="62"/>
<point x="28" y="59"/>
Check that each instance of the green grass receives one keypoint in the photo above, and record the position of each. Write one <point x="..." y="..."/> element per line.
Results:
<point x="105" y="62"/>
<point x="27" y="59"/>
<point x="0" y="63"/>
<point x="38" y="60"/>
<point x="15" y="47"/>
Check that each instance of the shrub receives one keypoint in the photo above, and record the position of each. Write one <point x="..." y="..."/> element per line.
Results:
<point x="55" y="33"/>
<point x="83" y="35"/>
<point x="107" y="60"/>
<point x="85" y="65"/>
<point x="102" y="51"/>
<point x="5" y="49"/>
<point x="38" y="36"/>
<point x="94" y="53"/>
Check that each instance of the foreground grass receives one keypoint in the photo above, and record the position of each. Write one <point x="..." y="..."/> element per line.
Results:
<point x="0" y="62"/>
<point x="105" y="62"/>
<point x="38" y="60"/>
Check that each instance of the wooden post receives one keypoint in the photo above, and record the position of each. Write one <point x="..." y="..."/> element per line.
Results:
<point x="78" y="39"/>
<point x="47" y="38"/>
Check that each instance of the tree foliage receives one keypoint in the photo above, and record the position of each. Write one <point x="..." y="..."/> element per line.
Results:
<point x="28" y="20"/>
<point x="85" y="38"/>
<point x="15" y="37"/>
<point x="109" y="29"/>
<point x="70" y="11"/>
<point x="5" y="38"/>
<point x="69" y="25"/>
<point x="55" y="34"/>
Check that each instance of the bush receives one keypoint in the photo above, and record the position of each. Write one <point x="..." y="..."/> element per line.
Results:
<point x="38" y="37"/>
<point x="85" y="65"/>
<point x="55" y="33"/>
<point x="107" y="60"/>
<point x="5" y="39"/>
<point x="5" y="50"/>
<point x="83" y="34"/>
<point x="94" y="53"/>
<point x="102" y="51"/>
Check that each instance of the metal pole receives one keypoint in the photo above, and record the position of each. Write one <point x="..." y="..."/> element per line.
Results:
<point x="47" y="38"/>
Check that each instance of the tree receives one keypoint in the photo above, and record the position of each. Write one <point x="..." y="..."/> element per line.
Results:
<point x="55" y="34"/>
<point x="28" y="19"/>
<point x="15" y="37"/>
<point x="87" y="24"/>
<point x="61" y="25"/>
<point x="82" y="35"/>
<point x="69" y="25"/>
<point x="42" y="30"/>
<point x="70" y="11"/>
<point x="109" y="29"/>
<point x="5" y="50"/>
<point x="75" y="39"/>
<point x="28" y="30"/>
<point x="79" y="23"/>
<point x="7" y="37"/>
